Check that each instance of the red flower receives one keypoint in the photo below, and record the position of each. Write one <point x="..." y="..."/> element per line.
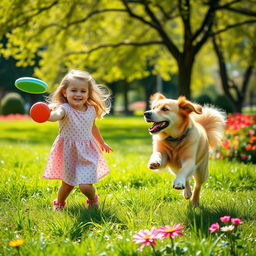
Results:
<point x="248" y="147"/>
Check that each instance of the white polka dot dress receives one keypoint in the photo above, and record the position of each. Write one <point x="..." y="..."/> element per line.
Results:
<point x="75" y="156"/>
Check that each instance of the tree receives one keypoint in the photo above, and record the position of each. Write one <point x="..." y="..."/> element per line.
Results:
<point x="116" y="39"/>
<point x="236" y="56"/>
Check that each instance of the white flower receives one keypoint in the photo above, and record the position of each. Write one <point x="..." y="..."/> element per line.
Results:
<point x="227" y="228"/>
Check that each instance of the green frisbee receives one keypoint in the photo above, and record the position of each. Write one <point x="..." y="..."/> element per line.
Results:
<point x="31" y="85"/>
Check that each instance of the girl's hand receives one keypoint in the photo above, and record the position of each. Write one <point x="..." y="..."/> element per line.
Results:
<point x="105" y="148"/>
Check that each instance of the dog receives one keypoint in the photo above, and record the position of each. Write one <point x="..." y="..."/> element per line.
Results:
<point x="182" y="133"/>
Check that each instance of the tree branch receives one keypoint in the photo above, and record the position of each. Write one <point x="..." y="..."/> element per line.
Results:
<point x="166" y="15"/>
<point x="132" y="14"/>
<point x="167" y="41"/>
<point x="226" y="5"/>
<point x="91" y="14"/>
<point x="204" y="23"/>
<point x="26" y="19"/>
<point x="241" y="11"/>
<point x="233" y="85"/>
<point x="222" y="69"/>
<point x="246" y="79"/>
<point x="184" y="8"/>
<point x="106" y="45"/>
<point x="206" y="26"/>
<point x="232" y="26"/>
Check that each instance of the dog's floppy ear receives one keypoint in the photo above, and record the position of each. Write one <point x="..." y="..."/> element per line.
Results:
<point x="155" y="97"/>
<point x="188" y="107"/>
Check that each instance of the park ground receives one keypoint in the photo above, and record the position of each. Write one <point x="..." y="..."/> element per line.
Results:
<point x="132" y="198"/>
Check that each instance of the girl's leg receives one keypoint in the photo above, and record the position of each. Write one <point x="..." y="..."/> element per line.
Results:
<point x="88" y="190"/>
<point x="64" y="192"/>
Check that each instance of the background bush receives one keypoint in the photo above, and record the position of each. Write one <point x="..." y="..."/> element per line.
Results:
<point x="12" y="103"/>
<point x="224" y="103"/>
<point x="204" y="99"/>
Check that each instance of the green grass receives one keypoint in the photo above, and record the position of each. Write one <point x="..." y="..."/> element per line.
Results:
<point x="131" y="198"/>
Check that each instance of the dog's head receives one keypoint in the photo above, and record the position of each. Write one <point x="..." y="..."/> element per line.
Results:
<point x="166" y="113"/>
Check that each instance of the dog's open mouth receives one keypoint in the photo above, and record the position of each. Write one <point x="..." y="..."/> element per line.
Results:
<point x="158" y="126"/>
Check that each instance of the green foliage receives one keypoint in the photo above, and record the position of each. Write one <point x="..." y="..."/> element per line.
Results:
<point x="12" y="103"/>
<point x="224" y="103"/>
<point x="131" y="198"/>
<point x="203" y="99"/>
<point x="105" y="39"/>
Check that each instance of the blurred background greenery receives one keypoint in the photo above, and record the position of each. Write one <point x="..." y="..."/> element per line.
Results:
<point x="204" y="50"/>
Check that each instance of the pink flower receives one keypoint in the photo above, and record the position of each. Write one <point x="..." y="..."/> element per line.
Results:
<point x="225" y="218"/>
<point x="236" y="221"/>
<point x="146" y="237"/>
<point x="171" y="231"/>
<point x="214" y="227"/>
<point x="243" y="157"/>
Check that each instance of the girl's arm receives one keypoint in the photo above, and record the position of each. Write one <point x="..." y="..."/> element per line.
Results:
<point x="96" y="134"/>
<point x="57" y="114"/>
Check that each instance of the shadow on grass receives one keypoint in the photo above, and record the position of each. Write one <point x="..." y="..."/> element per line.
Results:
<point x="86" y="220"/>
<point x="199" y="219"/>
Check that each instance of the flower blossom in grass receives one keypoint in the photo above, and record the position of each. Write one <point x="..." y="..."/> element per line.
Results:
<point x="225" y="218"/>
<point x="145" y="237"/>
<point x="214" y="227"/>
<point x="243" y="157"/>
<point x="16" y="243"/>
<point x="236" y="221"/>
<point x="171" y="231"/>
<point x="227" y="228"/>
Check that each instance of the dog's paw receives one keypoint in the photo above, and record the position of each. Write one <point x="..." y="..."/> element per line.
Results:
<point x="187" y="193"/>
<point x="153" y="165"/>
<point x="179" y="184"/>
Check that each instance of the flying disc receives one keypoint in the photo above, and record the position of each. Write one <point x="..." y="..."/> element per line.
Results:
<point x="40" y="112"/>
<point x="31" y="85"/>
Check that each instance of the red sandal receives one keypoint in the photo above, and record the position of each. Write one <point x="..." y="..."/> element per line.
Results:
<point x="93" y="203"/>
<point x="58" y="206"/>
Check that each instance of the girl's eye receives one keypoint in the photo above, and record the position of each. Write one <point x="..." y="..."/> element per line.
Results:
<point x="73" y="90"/>
<point x="164" y="109"/>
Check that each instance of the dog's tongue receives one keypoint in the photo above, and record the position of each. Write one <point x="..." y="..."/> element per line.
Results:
<point x="156" y="126"/>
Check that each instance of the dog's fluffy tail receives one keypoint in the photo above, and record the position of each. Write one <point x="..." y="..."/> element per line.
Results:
<point x="213" y="120"/>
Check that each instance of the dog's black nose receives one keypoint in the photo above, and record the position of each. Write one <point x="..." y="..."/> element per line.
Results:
<point x="147" y="114"/>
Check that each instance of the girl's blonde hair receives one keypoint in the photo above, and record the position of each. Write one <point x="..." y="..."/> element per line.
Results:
<point x="99" y="95"/>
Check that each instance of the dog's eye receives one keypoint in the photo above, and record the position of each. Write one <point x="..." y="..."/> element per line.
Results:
<point x="164" y="109"/>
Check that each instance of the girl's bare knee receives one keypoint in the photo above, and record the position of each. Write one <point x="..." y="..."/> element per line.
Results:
<point x="86" y="187"/>
<point x="67" y="186"/>
<point x="88" y="190"/>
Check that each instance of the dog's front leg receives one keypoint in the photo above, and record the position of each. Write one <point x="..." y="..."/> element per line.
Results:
<point x="186" y="171"/>
<point x="157" y="160"/>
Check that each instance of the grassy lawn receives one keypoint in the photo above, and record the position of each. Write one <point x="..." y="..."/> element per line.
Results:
<point x="131" y="198"/>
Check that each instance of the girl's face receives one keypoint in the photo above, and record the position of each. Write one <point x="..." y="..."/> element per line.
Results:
<point x="77" y="94"/>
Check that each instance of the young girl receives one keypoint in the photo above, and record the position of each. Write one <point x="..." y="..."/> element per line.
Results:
<point x="76" y="156"/>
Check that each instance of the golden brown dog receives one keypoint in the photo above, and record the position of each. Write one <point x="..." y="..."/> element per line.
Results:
<point x="182" y="133"/>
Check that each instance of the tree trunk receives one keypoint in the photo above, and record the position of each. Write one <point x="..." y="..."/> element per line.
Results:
<point x="149" y="90"/>
<point x="113" y="88"/>
<point x="184" y="76"/>
<point x="226" y="82"/>
<point x="126" y="100"/>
